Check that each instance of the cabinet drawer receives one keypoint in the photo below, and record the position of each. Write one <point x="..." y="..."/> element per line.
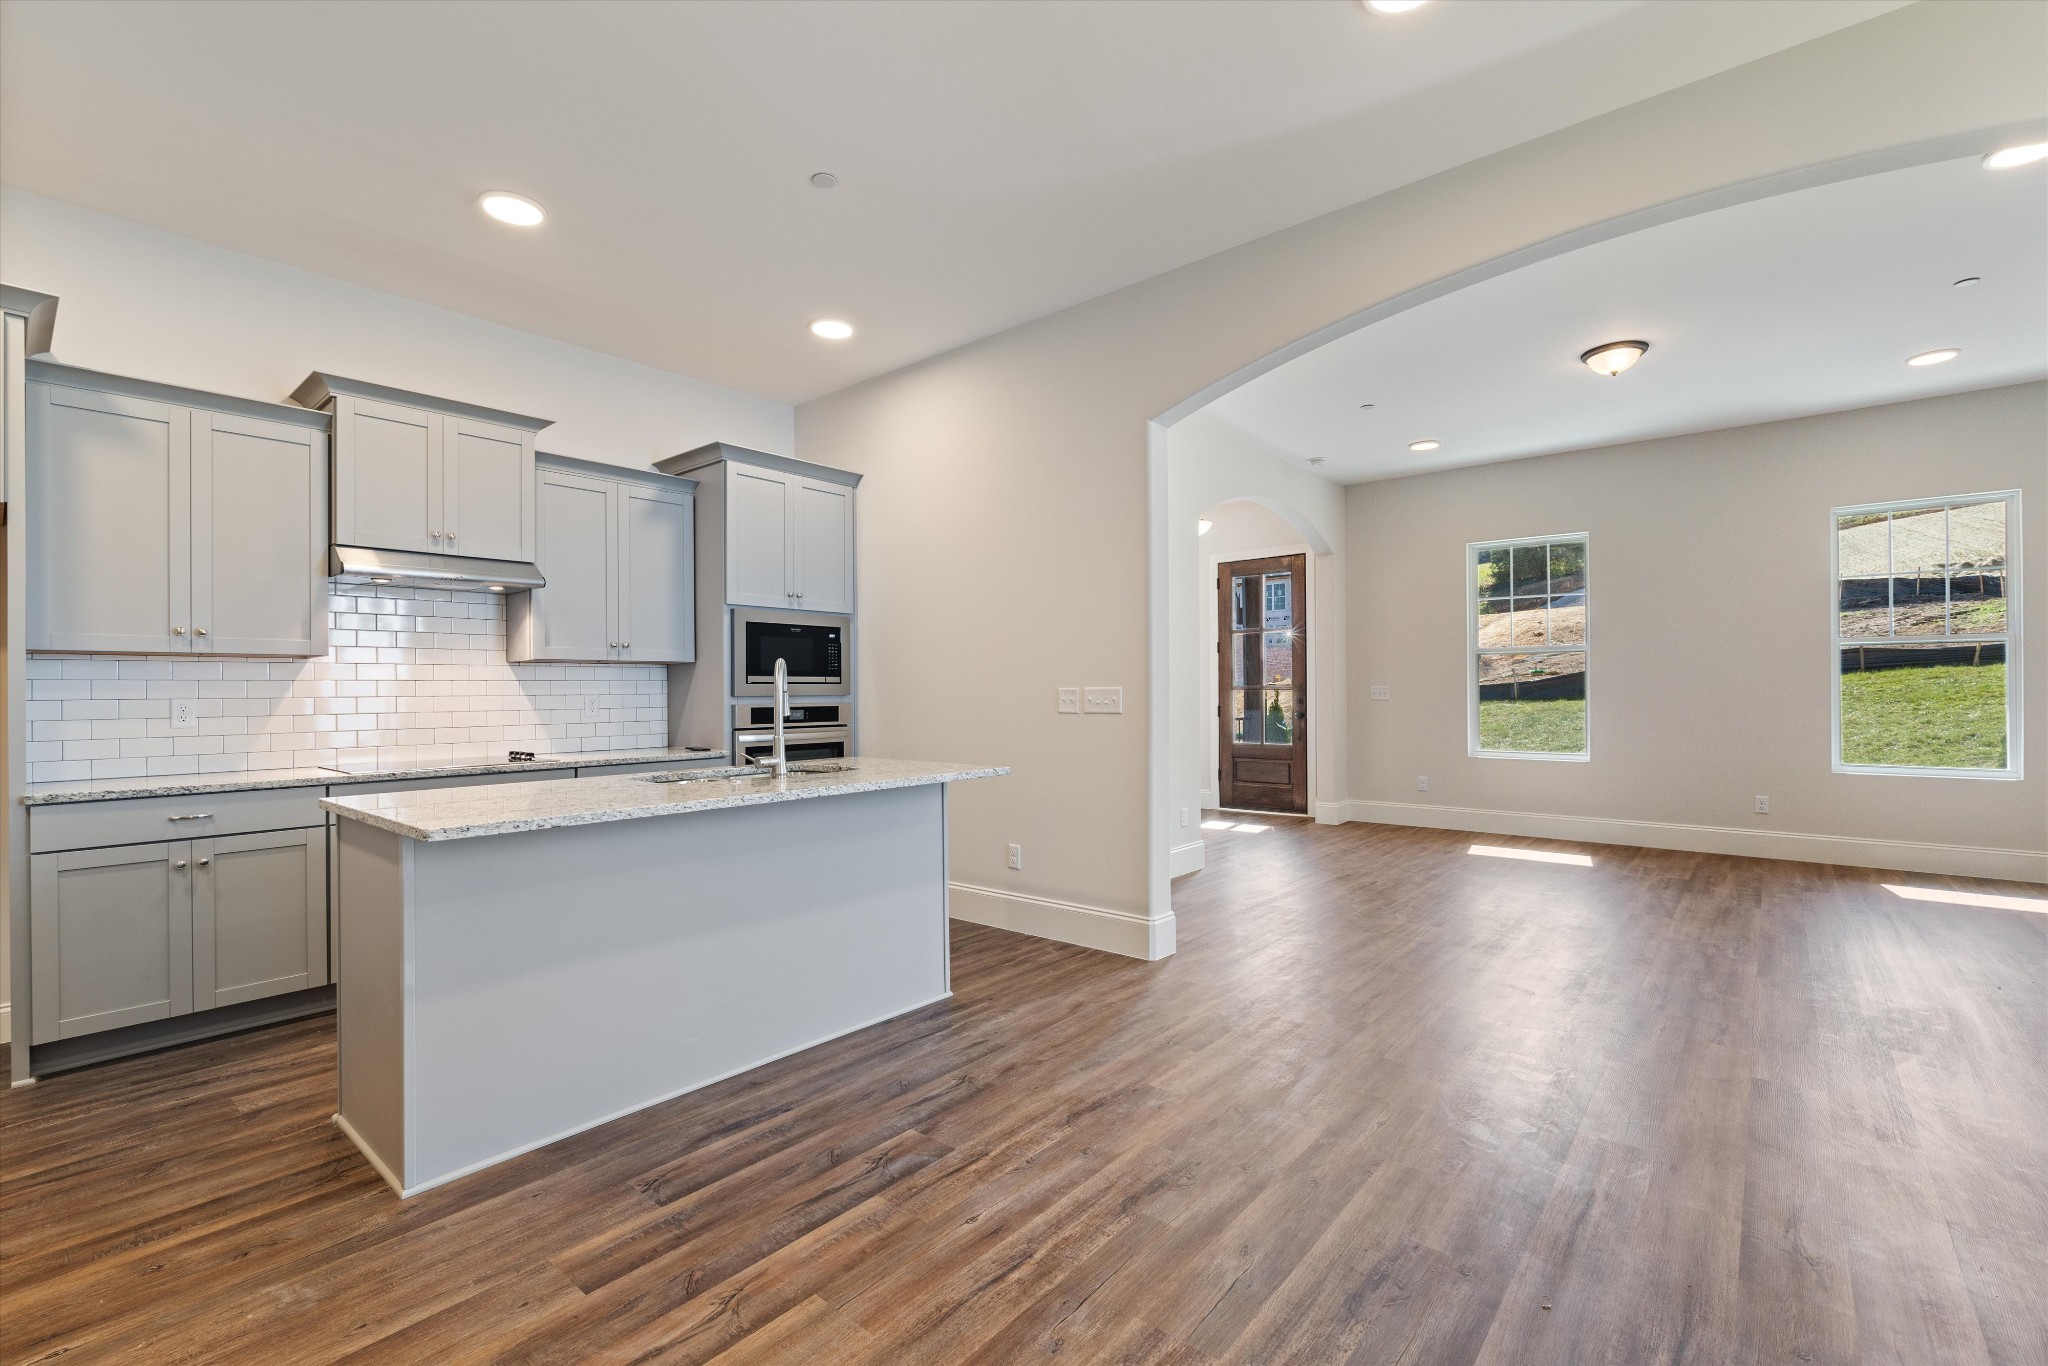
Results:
<point x="140" y="820"/>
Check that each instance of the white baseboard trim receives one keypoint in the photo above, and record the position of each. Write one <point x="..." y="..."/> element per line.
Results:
<point x="1182" y="859"/>
<point x="1334" y="813"/>
<point x="1954" y="860"/>
<point x="1124" y="932"/>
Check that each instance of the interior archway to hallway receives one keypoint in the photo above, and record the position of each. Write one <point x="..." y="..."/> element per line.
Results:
<point x="1172" y="483"/>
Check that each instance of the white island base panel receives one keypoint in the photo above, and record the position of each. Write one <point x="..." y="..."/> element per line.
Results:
<point x="499" y="994"/>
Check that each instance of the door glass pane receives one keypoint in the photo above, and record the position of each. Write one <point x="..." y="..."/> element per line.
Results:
<point x="1529" y="622"/>
<point x="1241" y="593"/>
<point x="1245" y="665"/>
<point x="1279" y="657"/>
<point x="1977" y="570"/>
<point x="1247" y="716"/>
<point x="1533" y="704"/>
<point x="1863" y="560"/>
<point x="1924" y="706"/>
<point x="1531" y="569"/>
<point x="1279" y="602"/>
<point x="1277" y="723"/>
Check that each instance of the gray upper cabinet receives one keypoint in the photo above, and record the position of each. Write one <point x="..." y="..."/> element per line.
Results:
<point x="619" y="552"/>
<point x="173" y="522"/>
<point x="822" y="546"/>
<point x="110" y="938"/>
<point x="419" y="473"/>
<point x="788" y="539"/>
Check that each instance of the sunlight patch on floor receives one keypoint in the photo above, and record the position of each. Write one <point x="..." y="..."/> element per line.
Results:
<point x="2003" y="903"/>
<point x="1533" y="855"/>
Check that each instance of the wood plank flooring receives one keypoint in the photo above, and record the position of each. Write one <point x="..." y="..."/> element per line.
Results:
<point x="1389" y="1103"/>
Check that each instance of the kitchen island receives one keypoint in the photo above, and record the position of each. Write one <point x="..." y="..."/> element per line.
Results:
<point x="522" y="962"/>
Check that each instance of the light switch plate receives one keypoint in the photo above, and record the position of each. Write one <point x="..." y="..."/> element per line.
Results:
<point x="1103" y="700"/>
<point x="1381" y="692"/>
<point x="1070" y="701"/>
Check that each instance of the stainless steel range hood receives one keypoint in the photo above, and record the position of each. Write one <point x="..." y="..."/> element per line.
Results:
<point x="355" y="564"/>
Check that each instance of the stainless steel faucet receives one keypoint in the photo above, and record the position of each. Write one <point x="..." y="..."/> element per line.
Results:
<point x="779" y="763"/>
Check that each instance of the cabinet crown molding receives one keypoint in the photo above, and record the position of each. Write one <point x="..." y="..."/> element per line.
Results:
<point x="724" y="450"/>
<point x="39" y="309"/>
<point x="78" y="377"/>
<point x="317" y="388"/>
<point x="598" y="469"/>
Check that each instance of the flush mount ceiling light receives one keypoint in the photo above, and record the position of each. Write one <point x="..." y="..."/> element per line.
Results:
<point x="1944" y="355"/>
<point x="515" y="209"/>
<point x="831" y="329"/>
<point x="1611" y="358"/>
<point x="1424" y="445"/>
<point x="824" y="180"/>
<point x="2008" y="157"/>
<point x="1202" y="526"/>
<point x="1394" y="6"/>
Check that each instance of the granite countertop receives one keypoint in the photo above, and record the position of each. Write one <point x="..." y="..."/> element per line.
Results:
<point x="191" y="784"/>
<point x="467" y="813"/>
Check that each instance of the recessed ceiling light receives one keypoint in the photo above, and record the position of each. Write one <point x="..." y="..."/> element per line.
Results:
<point x="1394" y="6"/>
<point x="824" y="180"/>
<point x="1968" y="280"/>
<point x="831" y="329"/>
<point x="1611" y="358"/>
<point x="2008" y="157"/>
<point x="1945" y="354"/>
<point x="1202" y="525"/>
<point x="1424" y="445"/>
<point x="515" y="209"/>
<point x="1363" y="406"/>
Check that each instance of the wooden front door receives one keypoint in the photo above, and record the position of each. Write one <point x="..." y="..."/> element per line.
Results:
<point x="1262" y="650"/>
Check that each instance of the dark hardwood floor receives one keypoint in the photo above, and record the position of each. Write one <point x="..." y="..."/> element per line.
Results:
<point x="1390" y="1103"/>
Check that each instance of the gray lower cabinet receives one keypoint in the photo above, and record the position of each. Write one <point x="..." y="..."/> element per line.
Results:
<point x="259" y="916"/>
<point x="110" y="938"/>
<point x="619" y="552"/>
<point x="169" y="527"/>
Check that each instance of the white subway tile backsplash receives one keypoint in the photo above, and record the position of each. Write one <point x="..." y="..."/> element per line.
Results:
<point x="410" y="675"/>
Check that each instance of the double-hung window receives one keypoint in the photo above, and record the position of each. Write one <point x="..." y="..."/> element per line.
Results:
<point x="1528" y="648"/>
<point x="1926" y="637"/>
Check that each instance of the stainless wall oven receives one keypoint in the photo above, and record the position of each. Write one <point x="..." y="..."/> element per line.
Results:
<point x="814" y="647"/>
<point x="818" y="731"/>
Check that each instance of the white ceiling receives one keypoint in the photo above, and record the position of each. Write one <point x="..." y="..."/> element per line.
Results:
<point x="998" y="160"/>
<point x="1809" y="302"/>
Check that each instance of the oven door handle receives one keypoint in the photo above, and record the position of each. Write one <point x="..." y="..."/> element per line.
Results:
<point x="792" y="735"/>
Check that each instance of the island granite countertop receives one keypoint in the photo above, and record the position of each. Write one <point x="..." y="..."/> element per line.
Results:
<point x="257" y="780"/>
<point x="470" y="812"/>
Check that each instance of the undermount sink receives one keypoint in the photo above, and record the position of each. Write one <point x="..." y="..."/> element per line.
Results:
<point x="708" y="775"/>
<point x="820" y="766"/>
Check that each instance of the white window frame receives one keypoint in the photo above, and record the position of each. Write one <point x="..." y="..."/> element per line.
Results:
<point x="2010" y="637"/>
<point x="1472" y="549"/>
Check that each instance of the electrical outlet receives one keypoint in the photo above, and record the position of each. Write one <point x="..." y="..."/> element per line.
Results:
<point x="1763" y="806"/>
<point x="1103" y="701"/>
<point x="1183" y="818"/>
<point x="590" y="701"/>
<point x="1017" y="856"/>
<point x="1381" y="692"/>
<point x="182" y="717"/>
<point x="1070" y="701"/>
<point x="1422" y="784"/>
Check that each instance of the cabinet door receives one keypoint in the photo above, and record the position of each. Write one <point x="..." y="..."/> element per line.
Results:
<point x="657" y="579"/>
<point x="757" y="518"/>
<point x="824" y="546"/>
<point x="110" y="484"/>
<point x="259" y="915"/>
<point x="387" y="475"/>
<point x="576" y="616"/>
<point x="259" y="537"/>
<point x="487" y="491"/>
<point x="110" y="938"/>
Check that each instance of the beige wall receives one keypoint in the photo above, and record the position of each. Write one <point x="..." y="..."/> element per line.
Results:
<point x="1014" y="511"/>
<point x="1699" y="703"/>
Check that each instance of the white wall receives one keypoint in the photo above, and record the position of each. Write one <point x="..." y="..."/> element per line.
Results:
<point x="1211" y="470"/>
<point x="137" y="301"/>
<point x="1679" y="740"/>
<point x="1015" y="530"/>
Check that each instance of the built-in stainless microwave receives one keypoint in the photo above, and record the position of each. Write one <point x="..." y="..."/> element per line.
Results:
<point x="814" y="647"/>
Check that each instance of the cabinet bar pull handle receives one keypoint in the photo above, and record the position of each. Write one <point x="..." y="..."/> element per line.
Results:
<point x="195" y="816"/>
